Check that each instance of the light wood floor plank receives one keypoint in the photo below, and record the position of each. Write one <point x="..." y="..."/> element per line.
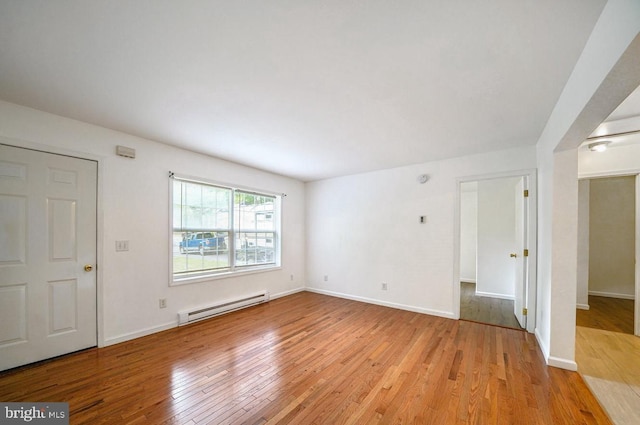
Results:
<point x="610" y="364"/>
<point x="313" y="359"/>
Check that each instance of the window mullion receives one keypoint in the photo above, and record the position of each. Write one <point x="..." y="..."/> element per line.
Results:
<point x="232" y="232"/>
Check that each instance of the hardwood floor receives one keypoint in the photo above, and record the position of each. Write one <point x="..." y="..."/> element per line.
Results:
<point x="608" y="356"/>
<point x="313" y="359"/>
<point x="610" y="364"/>
<point x="493" y="311"/>
<point x="610" y="314"/>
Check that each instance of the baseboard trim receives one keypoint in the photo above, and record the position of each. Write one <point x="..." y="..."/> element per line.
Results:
<point x="445" y="314"/>
<point x="138" y="334"/>
<point x="493" y="295"/>
<point x="465" y="280"/>
<point x="582" y="306"/>
<point x="286" y="293"/>
<point x="552" y="360"/>
<point x="612" y="295"/>
<point x="562" y="363"/>
<point x="542" y="345"/>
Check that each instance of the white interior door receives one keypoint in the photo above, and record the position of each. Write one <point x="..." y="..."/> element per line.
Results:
<point x="496" y="238"/>
<point x="47" y="239"/>
<point x="520" y="258"/>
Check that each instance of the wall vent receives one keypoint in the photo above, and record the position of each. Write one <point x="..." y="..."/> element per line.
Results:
<point x="125" y="151"/>
<point x="223" y="307"/>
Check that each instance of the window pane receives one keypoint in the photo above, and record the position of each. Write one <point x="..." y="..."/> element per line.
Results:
<point x="197" y="206"/>
<point x="201" y="228"/>
<point x="254" y="212"/>
<point x="255" y="248"/>
<point x="199" y="251"/>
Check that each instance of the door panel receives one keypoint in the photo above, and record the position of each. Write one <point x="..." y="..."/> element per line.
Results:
<point x="47" y="235"/>
<point x="63" y="306"/>
<point x="13" y="303"/>
<point x="62" y="229"/>
<point x="13" y="229"/>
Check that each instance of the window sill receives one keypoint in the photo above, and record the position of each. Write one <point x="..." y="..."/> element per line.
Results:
<point x="223" y="275"/>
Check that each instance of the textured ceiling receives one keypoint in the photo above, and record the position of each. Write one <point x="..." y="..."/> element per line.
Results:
<point x="307" y="89"/>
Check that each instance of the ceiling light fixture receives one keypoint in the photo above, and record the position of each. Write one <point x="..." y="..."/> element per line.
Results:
<point x="599" y="146"/>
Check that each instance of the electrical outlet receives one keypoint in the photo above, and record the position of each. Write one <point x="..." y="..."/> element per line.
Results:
<point x="326" y="278"/>
<point x="384" y="286"/>
<point x="291" y="277"/>
<point x="162" y="302"/>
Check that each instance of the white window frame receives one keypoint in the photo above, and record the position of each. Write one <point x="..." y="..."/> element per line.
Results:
<point x="233" y="269"/>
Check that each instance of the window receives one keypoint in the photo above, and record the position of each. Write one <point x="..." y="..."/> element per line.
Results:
<point x="220" y="230"/>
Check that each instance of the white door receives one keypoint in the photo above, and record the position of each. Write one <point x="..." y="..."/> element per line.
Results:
<point x="521" y="260"/>
<point x="47" y="255"/>
<point x="496" y="238"/>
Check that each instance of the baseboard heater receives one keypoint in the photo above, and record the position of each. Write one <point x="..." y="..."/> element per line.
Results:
<point x="223" y="307"/>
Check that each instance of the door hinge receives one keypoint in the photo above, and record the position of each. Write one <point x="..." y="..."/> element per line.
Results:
<point x="526" y="193"/>
<point x="525" y="253"/>
<point x="524" y="311"/>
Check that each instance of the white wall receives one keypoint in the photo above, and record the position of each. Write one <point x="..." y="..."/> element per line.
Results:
<point x="134" y="206"/>
<point x="468" y="231"/>
<point x="604" y="75"/>
<point x="496" y="237"/>
<point x="612" y="237"/>
<point x="364" y="229"/>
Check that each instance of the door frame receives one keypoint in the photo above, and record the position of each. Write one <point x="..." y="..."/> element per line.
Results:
<point x="636" y="329"/>
<point x="531" y="290"/>
<point x="25" y="144"/>
<point x="522" y="243"/>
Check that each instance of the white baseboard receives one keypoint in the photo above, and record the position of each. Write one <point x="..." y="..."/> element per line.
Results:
<point x="138" y="334"/>
<point x="612" y="295"/>
<point x="492" y="295"/>
<point x="445" y="314"/>
<point x="562" y="363"/>
<point x="286" y="293"/>
<point x="582" y="306"/>
<point x="554" y="361"/>
<point x="542" y="345"/>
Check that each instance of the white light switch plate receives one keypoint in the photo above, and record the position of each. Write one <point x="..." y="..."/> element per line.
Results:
<point x="122" y="245"/>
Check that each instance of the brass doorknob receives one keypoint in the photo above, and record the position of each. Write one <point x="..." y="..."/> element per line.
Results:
<point x="513" y="255"/>
<point x="88" y="268"/>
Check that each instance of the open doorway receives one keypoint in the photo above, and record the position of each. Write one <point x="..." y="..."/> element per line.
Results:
<point x="494" y="266"/>
<point x="606" y="286"/>
<point x="607" y="293"/>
